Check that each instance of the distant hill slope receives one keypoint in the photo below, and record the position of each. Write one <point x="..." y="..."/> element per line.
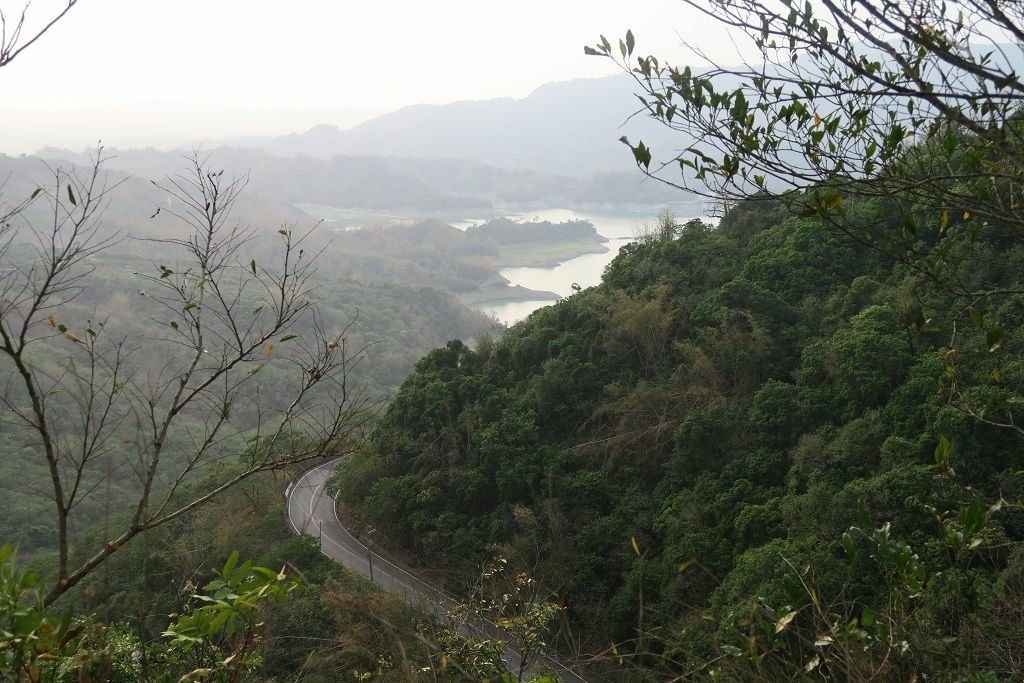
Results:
<point x="568" y="128"/>
<point x="558" y="147"/>
<point x="129" y="216"/>
<point x="396" y="184"/>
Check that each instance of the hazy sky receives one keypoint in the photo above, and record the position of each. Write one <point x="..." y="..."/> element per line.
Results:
<point x="132" y="71"/>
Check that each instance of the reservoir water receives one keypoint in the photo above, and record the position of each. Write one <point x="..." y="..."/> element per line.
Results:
<point x="585" y="270"/>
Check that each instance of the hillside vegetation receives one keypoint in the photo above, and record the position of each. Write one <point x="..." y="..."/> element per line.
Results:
<point x="539" y="243"/>
<point x="749" y="449"/>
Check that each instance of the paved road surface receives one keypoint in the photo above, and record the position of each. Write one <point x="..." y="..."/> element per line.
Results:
<point x="312" y="512"/>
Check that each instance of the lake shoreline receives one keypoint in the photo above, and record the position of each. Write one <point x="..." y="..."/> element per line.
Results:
<point x="496" y="294"/>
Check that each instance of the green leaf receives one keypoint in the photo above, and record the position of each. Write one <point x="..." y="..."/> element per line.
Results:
<point x="630" y="42"/>
<point x="230" y="564"/>
<point x="174" y="325"/>
<point x="219" y="621"/>
<point x="287" y="337"/>
<point x="942" y="450"/>
<point x="641" y="153"/>
<point x="587" y="50"/>
<point x="71" y="197"/>
<point x="252" y="264"/>
<point x="240" y="573"/>
<point x="867" y="618"/>
<point x="35" y="193"/>
<point x="975" y="516"/>
<point x="636" y="546"/>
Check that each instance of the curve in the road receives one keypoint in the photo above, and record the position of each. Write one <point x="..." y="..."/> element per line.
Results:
<point x="312" y="512"/>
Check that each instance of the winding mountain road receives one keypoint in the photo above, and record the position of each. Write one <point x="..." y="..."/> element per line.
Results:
<point x="312" y="512"/>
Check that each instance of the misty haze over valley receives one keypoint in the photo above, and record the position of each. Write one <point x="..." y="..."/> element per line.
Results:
<point x="461" y="163"/>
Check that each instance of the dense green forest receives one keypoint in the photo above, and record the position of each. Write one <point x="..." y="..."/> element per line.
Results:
<point x="745" y="440"/>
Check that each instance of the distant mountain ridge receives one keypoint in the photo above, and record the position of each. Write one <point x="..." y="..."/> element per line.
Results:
<point x="568" y="128"/>
<point x="556" y="148"/>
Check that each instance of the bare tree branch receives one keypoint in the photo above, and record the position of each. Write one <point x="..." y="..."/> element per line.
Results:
<point x="191" y="394"/>
<point x="11" y="44"/>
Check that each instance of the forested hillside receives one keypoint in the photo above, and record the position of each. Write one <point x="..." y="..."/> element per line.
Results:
<point x="748" y="439"/>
